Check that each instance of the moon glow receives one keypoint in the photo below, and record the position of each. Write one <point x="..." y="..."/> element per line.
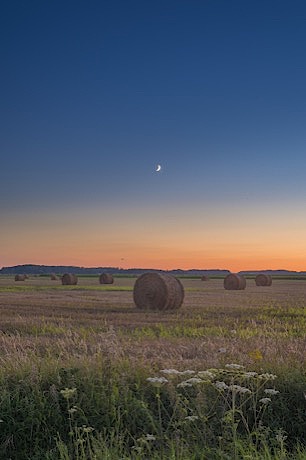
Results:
<point x="158" y="168"/>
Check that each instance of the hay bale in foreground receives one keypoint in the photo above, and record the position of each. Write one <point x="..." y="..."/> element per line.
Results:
<point x="20" y="277"/>
<point x="54" y="277"/>
<point x="158" y="291"/>
<point x="263" y="280"/>
<point x="69" y="279"/>
<point x="234" y="282"/>
<point x="106" y="278"/>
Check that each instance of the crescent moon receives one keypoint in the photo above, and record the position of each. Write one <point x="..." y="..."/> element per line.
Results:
<point x="158" y="168"/>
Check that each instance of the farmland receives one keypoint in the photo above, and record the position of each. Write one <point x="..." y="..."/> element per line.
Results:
<point x="91" y="340"/>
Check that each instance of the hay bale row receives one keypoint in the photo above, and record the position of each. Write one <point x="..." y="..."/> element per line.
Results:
<point x="69" y="279"/>
<point x="106" y="278"/>
<point x="263" y="280"/>
<point x="234" y="282"/>
<point x="204" y="278"/>
<point x="158" y="291"/>
<point x="54" y="277"/>
<point x="20" y="277"/>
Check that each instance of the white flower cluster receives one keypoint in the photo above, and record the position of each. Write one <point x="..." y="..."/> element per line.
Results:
<point x="234" y="366"/>
<point x="267" y="376"/>
<point x="157" y="380"/>
<point x="271" y="391"/>
<point x="190" y="382"/>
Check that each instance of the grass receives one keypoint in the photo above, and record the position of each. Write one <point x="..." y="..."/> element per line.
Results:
<point x="92" y="338"/>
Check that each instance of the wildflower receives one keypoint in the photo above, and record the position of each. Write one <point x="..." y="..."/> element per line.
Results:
<point x="280" y="436"/>
<point x="271" y="391"/>
<point x="234" y="366"/>
<point x="248" y="375"/>
<point x="256" y="355"/>
<point x="170" y="371"/>
<point x="149" y="437"/>
<point x="221" y="385"/>
<point x="239" y="389"/>
<point x="191" y="418"/>
<point x="184" y="384"/>
<point x="265" y="400"/>
<point x="206" y="374"/>
<point x="67" y="393"/>
<point x="87" y="429"/>
<point x="194" y="380"/>
<point x="72" y="410"/>
<point x="157" y="381"/>
<point x="267" y="376"/>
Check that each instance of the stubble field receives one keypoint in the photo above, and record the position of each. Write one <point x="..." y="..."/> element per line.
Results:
<point x="91" y="338"/>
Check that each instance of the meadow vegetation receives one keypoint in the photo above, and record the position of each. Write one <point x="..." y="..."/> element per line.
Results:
<point x="86" y="375"/>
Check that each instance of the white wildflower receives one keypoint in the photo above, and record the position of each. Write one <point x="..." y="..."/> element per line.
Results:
<point x="149" y="437"/>
<point x="234" y="366"/>
<point x="280" y="436"/>
<point x="271" y="391"/>
<point x="206" y="375"/>
<point x="195" y="380"/>
<point x="265" y="400"/>
<point x="239" y="389"/>
<point x="170" y="371"/>
<point x="221" y="385"/>
<point x="267" y="376"/>
<point x="157" y="381"/>
<point x="249" y="375"/>
<point x="192" y="418"/>
<point x="184" y="384"/>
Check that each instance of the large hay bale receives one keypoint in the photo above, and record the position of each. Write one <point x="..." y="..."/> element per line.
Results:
<point x="69" y="279"/>
<point x="158" y="291"/>
<point x="106" y="278"/>
<point x="263" y="280"/>
<point x="54" y="277"/>
<point x="20" y="277"/>
<point x="234" y="282"/>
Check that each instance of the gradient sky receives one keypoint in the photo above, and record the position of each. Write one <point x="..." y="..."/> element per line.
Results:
<point x="95" y="94"/>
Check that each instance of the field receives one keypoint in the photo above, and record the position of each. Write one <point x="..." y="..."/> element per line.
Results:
<point x="75" y="362"/>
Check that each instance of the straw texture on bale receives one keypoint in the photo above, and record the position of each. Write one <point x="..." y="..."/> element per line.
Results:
<point x="204" y="278"/>
<point x="69" y="278"/>
<point x="234" y="282"/>
<point x="158" y="291"/>
<point x="20" y="277"/>
<point x="263" y="280"/>
<point x="54" y="277"/>
<point x="106" y="278"/>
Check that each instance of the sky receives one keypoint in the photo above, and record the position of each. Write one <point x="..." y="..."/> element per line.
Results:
<point x="94" y="95"/>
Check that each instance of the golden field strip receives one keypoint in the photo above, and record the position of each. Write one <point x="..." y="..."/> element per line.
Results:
<point x="258" y="326"/>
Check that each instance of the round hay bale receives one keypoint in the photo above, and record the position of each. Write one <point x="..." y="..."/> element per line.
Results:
<point x="204" y="278"/>
<point x="106" y="278"/>
<point x="263" y="280"/>
<point x="54" y="277"/>
<point x="20" y="277"/>
<point x="158" y="291"/>
<point x="234" y="282"/>
<point x="69" y="279"/>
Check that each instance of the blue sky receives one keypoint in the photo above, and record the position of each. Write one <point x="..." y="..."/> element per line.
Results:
<point x="95" y="94"/>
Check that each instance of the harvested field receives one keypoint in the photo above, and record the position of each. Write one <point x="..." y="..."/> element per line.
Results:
<point x="258" y="324"/>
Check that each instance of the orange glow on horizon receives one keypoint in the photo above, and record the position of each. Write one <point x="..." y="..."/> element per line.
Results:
<point x="233" y="241"/>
